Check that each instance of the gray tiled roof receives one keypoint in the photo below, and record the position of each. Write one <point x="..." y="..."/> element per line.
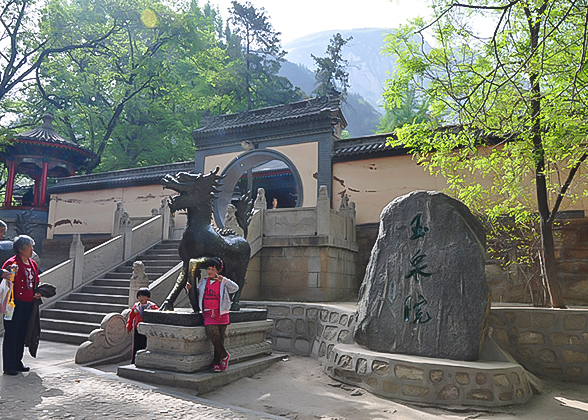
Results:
<point x="46" y="134"/>
<point x="367" y="145"/>
<point x="149" y="175"/>
<point x="285" y="113"/>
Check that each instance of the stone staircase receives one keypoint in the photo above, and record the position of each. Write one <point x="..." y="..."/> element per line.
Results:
<point x="73" y="318"/>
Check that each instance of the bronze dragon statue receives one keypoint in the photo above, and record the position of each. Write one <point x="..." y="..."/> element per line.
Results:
<point x="201" y="240"/>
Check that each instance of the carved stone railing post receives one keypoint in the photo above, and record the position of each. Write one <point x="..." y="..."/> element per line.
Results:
<point x="126" y="229"/>
<point x="352" y="215"/>
<point x="323" y="212"/>
<point x="138" y="281"/>
<point x="76" y="254"/>
<point x="347" y="209"/>
<point x="117" y="216"/>
<point x="166" y="215"/>
<point x="231" y="220"/>
<point x="260" y="201"/>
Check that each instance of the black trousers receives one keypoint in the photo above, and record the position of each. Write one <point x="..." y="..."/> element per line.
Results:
<point x="216" y="333"/>
<point x="15" y="333"/>
<point x="139" y="343"/>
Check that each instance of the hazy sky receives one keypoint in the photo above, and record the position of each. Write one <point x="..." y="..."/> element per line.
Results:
<point x="297" y="18"/>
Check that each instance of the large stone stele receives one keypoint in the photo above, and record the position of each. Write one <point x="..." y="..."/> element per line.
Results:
<point x="425" y="291"/>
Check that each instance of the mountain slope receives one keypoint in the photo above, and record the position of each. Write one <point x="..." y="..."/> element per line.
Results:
<point x="368" y="68"/>
<point x="362" y="118"/>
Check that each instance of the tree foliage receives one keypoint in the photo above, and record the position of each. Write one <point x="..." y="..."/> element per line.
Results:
<point x="508" y="80"/>
<point x="262" y="55"/>
<point x="410" y="110"/>
<point x="25" y="46"/>
<point x="331" y="70"/>
<point x="134" y="97"/>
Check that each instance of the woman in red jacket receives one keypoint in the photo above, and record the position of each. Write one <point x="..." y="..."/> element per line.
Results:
<point x="26" y="281"/>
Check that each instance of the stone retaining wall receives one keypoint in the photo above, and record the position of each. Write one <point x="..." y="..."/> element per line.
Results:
<point x="325" y="332"/>
<point x="308" y="329"/>
<point x="430" y="380"/>
<point x="548" y="342"/>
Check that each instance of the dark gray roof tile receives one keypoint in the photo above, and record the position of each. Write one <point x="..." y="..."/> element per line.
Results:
<point x="277" y="114"/>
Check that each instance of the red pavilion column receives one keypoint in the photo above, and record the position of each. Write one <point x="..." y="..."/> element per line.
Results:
<point x="10" y="184"/>
<point x="44" y="184"/>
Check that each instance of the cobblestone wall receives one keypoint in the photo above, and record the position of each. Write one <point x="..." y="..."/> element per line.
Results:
<point x="308" y="329"/>
<point x="325" y="332"/>
<point x="430" y="380"/>
<point x="548" y="342"/>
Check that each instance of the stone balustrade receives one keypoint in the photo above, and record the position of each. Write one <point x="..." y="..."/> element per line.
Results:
<point x="307" y="254"/>
<point x="83" y="267"/>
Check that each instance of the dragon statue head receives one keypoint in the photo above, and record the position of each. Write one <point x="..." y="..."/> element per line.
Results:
<point x="196" y="191"/>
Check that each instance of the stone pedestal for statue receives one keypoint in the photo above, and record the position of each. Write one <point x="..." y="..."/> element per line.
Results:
<point x="179" y="353"/>
<point x="185" y="347"/>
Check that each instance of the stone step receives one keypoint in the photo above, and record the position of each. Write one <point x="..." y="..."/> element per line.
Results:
<point x="149" y="269"/>
<point x="154" y="260"/>
<point x="104" y="308"/>
<point x="94" y="297"/>
<point x="157" y="249"/>
<point x="104" y="290"/>
<point x="86" y="316"/>
<point x="167" y="255"/>
<point x="112" y="283"/>
<point x="73" y="318"/>
<point x="68" y="326"/>
<point x="165" y="247"/>
<point x="64" y="337"/>
<point x="117" y="276"/>
<point x="200" y="382"/>
<point x="175" y="242"/>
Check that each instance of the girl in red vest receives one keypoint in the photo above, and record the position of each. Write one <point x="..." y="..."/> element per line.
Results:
<point x="215" y="302"/>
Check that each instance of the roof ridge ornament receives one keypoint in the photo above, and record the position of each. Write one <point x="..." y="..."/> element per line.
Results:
<point x="47" y="119"/>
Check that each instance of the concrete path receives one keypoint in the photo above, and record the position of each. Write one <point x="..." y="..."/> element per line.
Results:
<point x="56" y="388"/>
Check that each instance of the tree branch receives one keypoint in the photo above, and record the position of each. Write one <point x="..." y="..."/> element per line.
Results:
<point x="565" y="187"/>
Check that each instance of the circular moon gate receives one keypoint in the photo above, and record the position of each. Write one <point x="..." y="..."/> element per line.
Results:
<point x="240" y="165"/>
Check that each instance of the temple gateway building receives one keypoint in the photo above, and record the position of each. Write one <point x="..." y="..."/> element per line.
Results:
<point x="290" y="151"/>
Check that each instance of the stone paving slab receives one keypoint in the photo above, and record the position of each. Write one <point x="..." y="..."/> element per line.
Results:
<point x="55" y="388"/>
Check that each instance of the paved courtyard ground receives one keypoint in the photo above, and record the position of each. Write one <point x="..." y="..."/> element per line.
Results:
<point x="295" y="388"/>
<point x="56" y="388"/>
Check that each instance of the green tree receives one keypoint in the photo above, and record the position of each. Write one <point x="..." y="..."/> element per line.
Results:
<point x="410" y="110"/>
<point x="25" y="47"/>
<point x="262" y="56"/>
<point x="515" y="97"/>
<point x="135" y="99"/>
<point x="331" y="71"/>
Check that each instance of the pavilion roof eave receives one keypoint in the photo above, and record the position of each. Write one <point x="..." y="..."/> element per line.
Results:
<point x="69" y="147"/>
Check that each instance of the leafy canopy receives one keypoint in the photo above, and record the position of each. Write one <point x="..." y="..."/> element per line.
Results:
<point x="508" y="81"/>
<point x="262" y="55"/>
